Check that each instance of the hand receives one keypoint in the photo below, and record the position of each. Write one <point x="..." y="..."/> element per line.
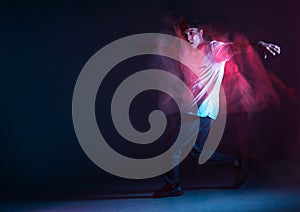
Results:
<point x="270" y="47"/>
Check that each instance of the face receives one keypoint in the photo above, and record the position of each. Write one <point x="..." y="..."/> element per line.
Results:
<point x="194" y="36"/>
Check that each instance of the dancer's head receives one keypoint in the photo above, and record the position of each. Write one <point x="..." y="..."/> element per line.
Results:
<point x="193" y="31"/>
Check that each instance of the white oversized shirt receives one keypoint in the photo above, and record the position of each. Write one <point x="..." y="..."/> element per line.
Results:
<point x="205" y="80"/>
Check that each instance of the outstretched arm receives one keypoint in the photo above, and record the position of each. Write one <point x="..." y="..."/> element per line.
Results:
<point x="224" y="51"/>
<point x="262" y="45"/>
<point x="235" y="48"/>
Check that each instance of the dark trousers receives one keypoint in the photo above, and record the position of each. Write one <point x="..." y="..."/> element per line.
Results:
<point x="172" y="176"/>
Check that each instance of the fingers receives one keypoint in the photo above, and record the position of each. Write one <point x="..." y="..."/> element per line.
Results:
<point x="273" y="49"/>
<point x="270" y="50"/>
<point x="276" y="48"/>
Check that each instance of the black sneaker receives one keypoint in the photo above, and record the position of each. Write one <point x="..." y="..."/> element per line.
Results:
<point x="241" y="173"/>
<point x="168" y="191"/>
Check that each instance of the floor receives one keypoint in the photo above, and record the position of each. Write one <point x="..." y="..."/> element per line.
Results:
<point x="248" y="199"/>
<point x="204" y="191"/>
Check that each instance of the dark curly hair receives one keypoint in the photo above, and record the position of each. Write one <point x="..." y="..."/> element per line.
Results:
<point x="190" y="22"/>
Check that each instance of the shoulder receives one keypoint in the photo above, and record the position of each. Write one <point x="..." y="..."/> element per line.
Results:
<point x="218" y="44"/>
<point x="221" y="50"/>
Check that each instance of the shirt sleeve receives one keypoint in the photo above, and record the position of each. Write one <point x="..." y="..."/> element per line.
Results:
<point x="221" y="51"/>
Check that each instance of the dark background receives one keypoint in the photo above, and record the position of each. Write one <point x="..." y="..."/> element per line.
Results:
<point x="44" y="46"/>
